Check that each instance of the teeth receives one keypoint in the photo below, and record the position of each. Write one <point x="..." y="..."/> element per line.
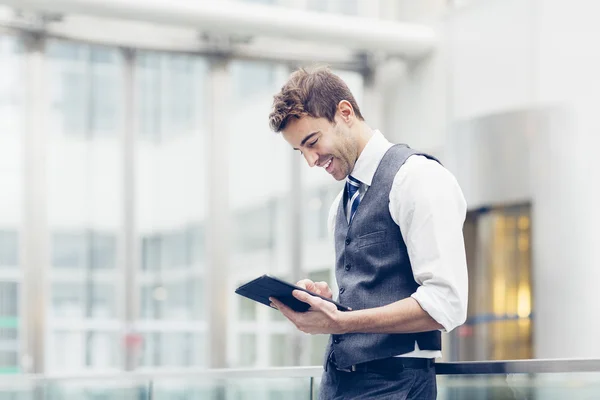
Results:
<point x="328" y="163"/>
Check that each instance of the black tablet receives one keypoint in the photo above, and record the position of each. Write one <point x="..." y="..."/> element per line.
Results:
<point x="261" y="288"/>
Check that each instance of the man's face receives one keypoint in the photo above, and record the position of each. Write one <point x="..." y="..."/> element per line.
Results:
<point x="323" y="144"/>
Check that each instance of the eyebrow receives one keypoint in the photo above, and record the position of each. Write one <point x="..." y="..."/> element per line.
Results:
<point x="307" y="138"/>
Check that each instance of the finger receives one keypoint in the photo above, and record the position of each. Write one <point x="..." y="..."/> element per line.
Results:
<point x="285" y="310"/>
<point x="306" y="284"/>
<point x="313" y="301"/>
<point x="323" y="289"/>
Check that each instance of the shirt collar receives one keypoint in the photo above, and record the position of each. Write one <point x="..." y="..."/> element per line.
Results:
<point x="371" y="156"/>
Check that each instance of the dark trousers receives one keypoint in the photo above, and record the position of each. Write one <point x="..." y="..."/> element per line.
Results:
<point x="407" y="384"/>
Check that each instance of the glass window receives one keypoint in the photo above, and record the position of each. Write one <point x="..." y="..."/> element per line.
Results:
<point x="176" y="349"/>
<point x="86" y="89"/>
<point x="69" y="250"/>
<point x="196" y="243"/>
<point x="12" y="128"/>
<point x="101" y="302"/>
<point x="170" y="198"/>
<point x="279" y="351"/>
<point x="151" y="252"/>
<point x="8" y="361"/>
<point x="252" y="78"/>
<point x="9" y="296"/>
<point x="247" y="309"/>
<point x="175" y="250"/>
<point x="260" y="167"/>
<point x="84" y="186"/>
<point x="178" y="300"/>
<point x="9" y="249"/>
<point x="151" y="349"/>
<point x="247" y="349"/>
<point x="255" y="227"/>
<point x="68" y="300"/>
<point x="103" y="251"/>
<point x="317" y="206"/>
<point x="170" y="88"/>
<point x="102" y="350"/>
<point x="84" y="250"/>
<point x="173" y="349"/>
<point x="67" y="351"/>
<point x="182" y="102"/>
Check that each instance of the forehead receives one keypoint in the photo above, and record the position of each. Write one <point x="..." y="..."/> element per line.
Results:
<point x="297" y="129"/>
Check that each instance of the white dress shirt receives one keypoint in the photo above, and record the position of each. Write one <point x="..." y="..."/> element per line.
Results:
<point x="428" y="205"/>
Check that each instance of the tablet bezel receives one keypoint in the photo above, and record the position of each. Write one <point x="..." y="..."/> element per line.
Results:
<point x="250" y="291"/>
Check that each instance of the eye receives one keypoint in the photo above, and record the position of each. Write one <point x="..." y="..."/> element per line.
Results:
<point x="311" y="144"/>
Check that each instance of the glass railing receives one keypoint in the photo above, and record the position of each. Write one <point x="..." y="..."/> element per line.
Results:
<point x="522" y="379"/>
<point x="525" y="379"/>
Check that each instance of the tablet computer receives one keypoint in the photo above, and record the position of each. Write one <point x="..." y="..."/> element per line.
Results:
<point x="263" y="287"/>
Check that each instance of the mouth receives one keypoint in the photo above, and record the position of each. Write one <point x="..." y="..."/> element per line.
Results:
<point x="329" y="165"/>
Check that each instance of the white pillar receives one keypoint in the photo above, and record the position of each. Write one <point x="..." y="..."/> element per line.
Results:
<point x="218" y="232"/>
<point x="566" y="236"/>
<point x="34" y="245"/>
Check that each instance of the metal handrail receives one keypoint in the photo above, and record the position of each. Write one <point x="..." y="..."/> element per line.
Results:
<point x="442" y="368"/>
<point x="518" y="366"/>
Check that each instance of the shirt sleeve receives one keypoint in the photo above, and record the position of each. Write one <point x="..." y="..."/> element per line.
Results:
<point x="429" y="207"/>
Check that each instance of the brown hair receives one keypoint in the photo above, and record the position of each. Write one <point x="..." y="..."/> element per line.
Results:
<point x="315" y="93"/>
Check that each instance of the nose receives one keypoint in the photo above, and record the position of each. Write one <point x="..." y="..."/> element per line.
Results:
<point x="311" y="158"/>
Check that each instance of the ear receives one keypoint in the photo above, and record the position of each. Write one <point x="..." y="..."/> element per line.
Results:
<point x="346" y="112"/>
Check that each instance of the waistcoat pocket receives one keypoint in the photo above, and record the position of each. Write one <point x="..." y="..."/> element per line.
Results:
<point x="371" y="238"/>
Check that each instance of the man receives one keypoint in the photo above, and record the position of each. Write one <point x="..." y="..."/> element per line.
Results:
<point x="400" y="258"/>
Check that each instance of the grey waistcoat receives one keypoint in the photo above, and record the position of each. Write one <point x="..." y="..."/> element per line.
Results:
<point x="373" y="269"/>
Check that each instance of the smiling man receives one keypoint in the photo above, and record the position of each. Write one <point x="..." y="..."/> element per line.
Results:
<point x="400" y="257"/>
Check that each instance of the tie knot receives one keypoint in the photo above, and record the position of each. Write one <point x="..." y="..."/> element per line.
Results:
<point x="352" y="181"/>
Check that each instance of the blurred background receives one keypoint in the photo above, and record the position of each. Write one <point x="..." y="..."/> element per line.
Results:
<point x="140" y="183"/>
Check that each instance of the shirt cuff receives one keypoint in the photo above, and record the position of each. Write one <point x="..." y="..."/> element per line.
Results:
<point x="441" y="310"/>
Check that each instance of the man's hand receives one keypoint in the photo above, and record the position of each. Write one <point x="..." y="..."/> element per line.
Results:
<point x="320" y="288"/>
<point x="322" y="317"/>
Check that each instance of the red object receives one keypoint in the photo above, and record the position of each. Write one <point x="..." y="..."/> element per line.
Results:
<point x="465" y="331"/>
<point x="133" y="340"/>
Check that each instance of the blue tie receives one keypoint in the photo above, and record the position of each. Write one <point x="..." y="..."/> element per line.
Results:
<point x="352" y="185"/>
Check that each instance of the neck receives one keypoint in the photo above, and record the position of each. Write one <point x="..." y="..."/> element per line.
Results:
<point x="364" y="134"/>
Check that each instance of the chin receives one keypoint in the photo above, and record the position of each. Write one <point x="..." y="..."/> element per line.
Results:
<point x="339" y="177"/>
